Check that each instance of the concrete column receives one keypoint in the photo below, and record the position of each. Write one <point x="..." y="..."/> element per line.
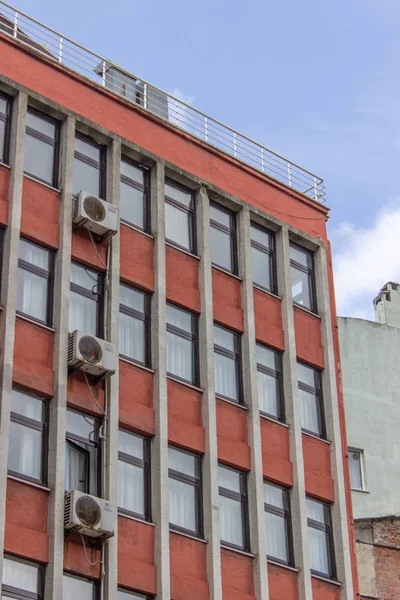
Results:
<point x="158" y="336"/>
<point x="110" y="483"/>
<point x="255" y="478"/>
<point x="292" y="409"/>
<point x="210" y="460"/>
<point x="331" y="406"/>
<point x="58" y="404"/>
<point x="9" y="293"/>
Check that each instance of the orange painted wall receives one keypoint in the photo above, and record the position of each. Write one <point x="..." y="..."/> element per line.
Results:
<point x="188" y="568"/>
<point x="80" y="396"/>
<point x="33" y="357"/>
<point x="227" y="300"/>
<point x="184" y="417"/>
<point x="323" y="590"/>
<point x="4" y="179"/>
<point x="136" y="568"/>
<point x="233" y="447"/>
<point x="75" y="561"/>
<point x="26" y="521"/>
<point x="282" y="583"/>
<point x="237" y="576"/>
<point x="136" y="398"/>
<point x="268" y="319"/>
<point x="308" y="338"/>
<point x="276" y="452"/>
<point x="136" y="258"/>
<point x="40" y="213"/>
<point x="82" y="250"/>
<point x="317" y="468"/>
<point x="182" y="279"/>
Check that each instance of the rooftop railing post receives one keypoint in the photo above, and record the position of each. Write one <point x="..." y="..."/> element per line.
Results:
<point x="206" y="128"/>
<point x="315" y="189"/>
<point x="234" y="145"/>
<point x="16" y="24"/>
<point x="103" y="70"/>
<point x="262" y="160"/>
<point x="145" y="101"/>
<point x="60" y="50"/>
<point x="289" y="173"/>
<point x="176" y="112"/>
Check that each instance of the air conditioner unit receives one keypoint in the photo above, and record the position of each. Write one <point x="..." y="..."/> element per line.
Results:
<point x="94" y="214"/>
<point x="88" y="515"/>
<point x="90" y="354"/>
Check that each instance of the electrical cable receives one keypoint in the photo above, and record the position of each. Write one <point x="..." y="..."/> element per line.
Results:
<point x="95" y="249"/>
<point x="92" y="564"/>
<point x="93" y="398"/>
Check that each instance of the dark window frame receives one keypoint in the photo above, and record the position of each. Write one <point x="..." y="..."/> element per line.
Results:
<point x="86" y="579"/>
<point x="101" y="165"/>
<point x="232" y="232"/>
<point x="6" y="117"/>
<point x="328" y="529"/>
<point x="48" y="140"/>
<point x="74" y="441"/>
<point x="146" y="318"/>
<point x="318" y="393"/>
<point x="19" y="594"/>
<point x="278" y="375"/>
<point x="310" y="272"/>
<point x="49" y="275"/>
<point x="197" y="483"/>
<point x="144" y="464"/>
<point x="270" y="252"/>
<point x="145" y="189"/>
<point x="193" y="337"/>
<point x="191" y="212"/>
<point x="236" y="355"/>
<point x="241" y="497"/>
<point x="286" y="513"/>
<point x="44" y="428"/>
<point x="90" y="294"/>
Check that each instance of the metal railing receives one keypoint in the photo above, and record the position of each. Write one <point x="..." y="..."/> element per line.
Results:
<point x="73" y="56"/>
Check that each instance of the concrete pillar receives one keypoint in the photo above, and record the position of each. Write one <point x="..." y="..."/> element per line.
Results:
<point x="9" y="292"/>
<point x="158" y="337"/>
<point x="58" y="404"/>
<point x="255" y="478"/>
<point x="210" y="460"/>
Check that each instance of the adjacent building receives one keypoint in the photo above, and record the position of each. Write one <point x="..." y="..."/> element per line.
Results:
<point x="169" y="352"/>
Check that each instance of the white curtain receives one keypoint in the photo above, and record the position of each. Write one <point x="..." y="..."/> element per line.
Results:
<point x="131" y="337"/>
<point x="77" y="589"/>
<point x="225" y="376"/>
<point x="182" y="504"/>
<point x="309" y="411"/>
<point x="268" y="393"/>
<point x="25" y="450"/>
<point x="131" y="487"/>
<point x="230" y="520"/>
<point x="32" y="294"/>
<point x="179" y="356"/>
<point x="82" y="314"/>
<point x="20" y="575"/>
<point x="75" y="469"/>
<point x="275" y="527"/>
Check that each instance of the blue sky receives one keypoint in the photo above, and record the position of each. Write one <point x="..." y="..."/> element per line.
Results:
<point x="315" y="81"/>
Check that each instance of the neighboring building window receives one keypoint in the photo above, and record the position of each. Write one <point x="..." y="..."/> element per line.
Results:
<point x="310" y="396"/>
<point x="263" y="258"/>
<point x="127" y="595"/>
<point x="89" y="166"/>
<point x="78" y="588"/>
<point x="320" y="538"/>
<point x="27" y="443"/>
<point x="133" y="474"/>
<point x="184" y="492"/>
<point x="227" y="364"/>
<point x="277" y="523"/>
<point x="356" y="469"/>
<point x="86" y="300"/>
<point x="82" y="454"/>
<point x="303" y="277"/>
<point x="179" y="217"/>
<point x="35" y="282"/>
<point x="134" y="195"/>
<point x="5" y="114"/>
<point x="233" y="510"/>
<point x="134" y="325"/>
<point x="269" y="379"/>
<point x="182" y="344"/>
<point x="41" y="147"/>
<point x="223" y="238"/>
<point x="21" y="579"/>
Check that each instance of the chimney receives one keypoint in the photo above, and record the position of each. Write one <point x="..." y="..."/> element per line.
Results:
<point x="387" y="305"/>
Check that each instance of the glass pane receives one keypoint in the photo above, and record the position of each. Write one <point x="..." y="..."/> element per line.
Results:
<point x="268" y="394"/>
<point x="274" y="495"/>
<point x="26" y="405"/>
<point x="81" y="425"/>
<point x="131" y="487"/>
<point x="39" y="159"/>
<point x="87" y="149"/>
<point x="315" y="511"/>
<point x="182" y="462"/>
<point x="180" y="357"/>
<point x="33" y="254"/>
<point x="179" y="318"/>
<point x="306" y="374"/>
<point x="2" y="139"/>
<point x="229" y="479"/>
<point x="225" y="377"/>
<point x="3" y="106"/>
<point x="76" y="469"/>
<point x="32" y="294"/>
<point x="224" y="338"/>
<point x="221" y="251"/>
<point x="178" y="195"/>
<point x="20" y="575"/>
<point x="266" y="356"/>
<point x="82" y="314"/>
<point x="301" y="293"/>
<point x="261" y="266"/>
<point x="74" y="588"/>
<point x="260" y="236"/>
<point x="131" y="298"/>
<point x="319" y="552"/>
<point x="309" y="412"/>
<point x="220" y="216"/>
<point x="86" y="177"/>
<point x="177" y="226"/>
<point x="131" y="444"/>
<point x="42" y="125"/>
<point x="355" y="470"/>
<point x="230" y="520"/>
<point x="132" y="338"/>
<point x="301" y="256"/>
<point x="275" y="527"/>
<point x="132" y="205"/>
<point x="84" y="277"/>
<point x="128" y="596"/>
<point x="132" y="172"/>
<point x="182" y="504"/>
<point x="25" y="450"/>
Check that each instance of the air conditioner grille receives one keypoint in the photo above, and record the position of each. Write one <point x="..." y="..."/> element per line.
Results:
<point x="75" y="208"/>
<point x="70" y="347"/>
<point x="67" y="509"/>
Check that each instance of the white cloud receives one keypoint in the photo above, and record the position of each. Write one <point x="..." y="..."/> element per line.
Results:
<point x="183" y="96"/>
<point x="364" y="260"/>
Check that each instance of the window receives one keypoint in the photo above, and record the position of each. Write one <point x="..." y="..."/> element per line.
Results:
<point x="35" y="282"/>
<point x="303" y="279"/>
<point x="310" y="396"/>
<point x="263" y="258"/>
<point x="27" y="443"/>
<point x="21" y="580"/>
<point x="82" y="465"/>
<point x="223" y="238"/>
<point x="179" y="217"/>
<point x="86" y="300"/>
<point x="356" y="469"/>
<point x="320" y="539"/>
<point x="182" y="344"/>
<point x="5" y="114"/>
<point x="41" y="147"/>
<point x="134" y="325"/>
<point x="133" y="474"/>
<point x="277" y="523"/>
<point x="89" y="166"/>
<point x="233" y="512"/>
<point x="134" y="195"/>
<point x="75" y="588"/>
<point x="227" y="364"/>
<point x="127" y="595"/>
<point x="269" y="380"/>
<point x="184" y="492"/>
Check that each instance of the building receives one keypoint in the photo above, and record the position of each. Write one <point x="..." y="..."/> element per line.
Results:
<point x="220" y="435"/>
<point x="370" y="353"/>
